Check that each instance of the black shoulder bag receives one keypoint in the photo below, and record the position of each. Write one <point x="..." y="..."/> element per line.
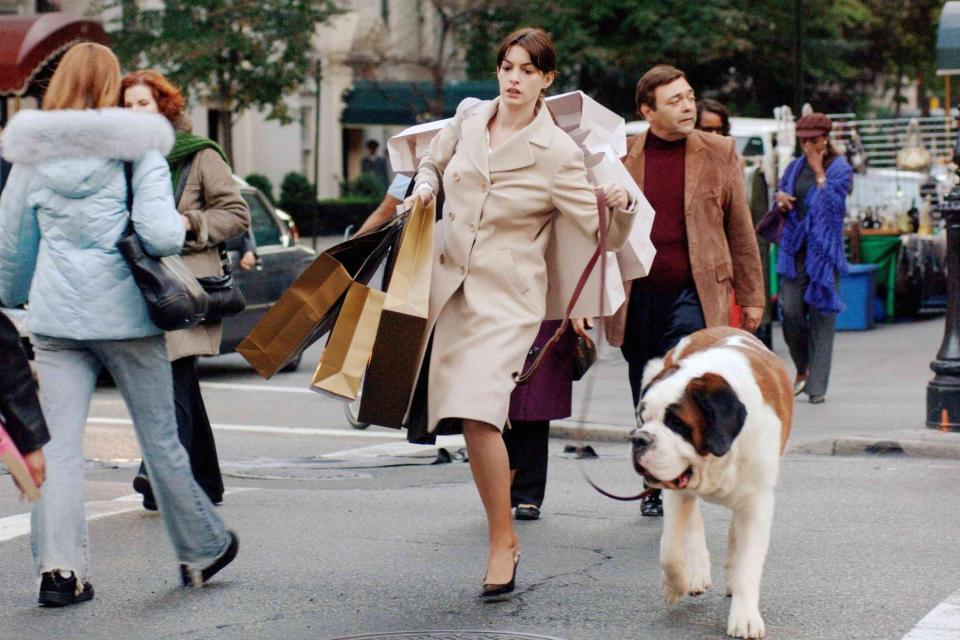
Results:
<point x="175" y="300"/>
<point x="224" y="294"/>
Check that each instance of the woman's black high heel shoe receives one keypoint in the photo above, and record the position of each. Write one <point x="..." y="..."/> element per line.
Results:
<point x="494" y="590"/>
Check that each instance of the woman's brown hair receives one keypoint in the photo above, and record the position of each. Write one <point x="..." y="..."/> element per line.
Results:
<point x="168" y="96"/>
<point x="88" y="77"/>
<point x="536" y="42"/>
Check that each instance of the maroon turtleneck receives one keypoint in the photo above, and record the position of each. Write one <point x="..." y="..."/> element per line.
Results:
<point x="663" y="185"/>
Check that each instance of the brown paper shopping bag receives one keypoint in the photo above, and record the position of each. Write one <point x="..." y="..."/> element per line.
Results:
<point x="391" y="376"/>
<point x="307" y="309"/>
<point x="351" y="342"/>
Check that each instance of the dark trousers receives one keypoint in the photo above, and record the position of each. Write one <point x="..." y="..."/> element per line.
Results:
<point x="656" y="322"/>
<point x="807" y="331"/>
<point x="527" y="444"/>
<point x="193" y="428"/>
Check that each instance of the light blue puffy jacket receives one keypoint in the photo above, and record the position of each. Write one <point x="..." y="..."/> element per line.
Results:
<point x="63" y="210"/>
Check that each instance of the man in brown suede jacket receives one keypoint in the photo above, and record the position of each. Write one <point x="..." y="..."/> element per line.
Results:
<point x="703" y="230"/>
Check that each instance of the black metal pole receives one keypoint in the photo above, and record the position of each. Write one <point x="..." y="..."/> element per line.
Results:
<point x="317" y="77"/>
<point x="797" y="56"/>
<point x="943" y="392"/>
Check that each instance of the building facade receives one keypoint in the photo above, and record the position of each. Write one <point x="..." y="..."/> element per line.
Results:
<point x="373" y="40"/>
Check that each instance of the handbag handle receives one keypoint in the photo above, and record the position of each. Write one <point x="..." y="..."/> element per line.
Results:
<point x="599" y="254"/>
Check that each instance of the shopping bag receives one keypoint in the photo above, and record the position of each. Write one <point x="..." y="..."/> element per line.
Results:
<point x="13" y="460"/>
<point x="351" y="342"/>
<point x="306" y="310"/>
<point x="568" y="252"/>
<point x="390" y="379"/>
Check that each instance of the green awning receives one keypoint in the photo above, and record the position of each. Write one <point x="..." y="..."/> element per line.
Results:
<point x="404" y="103"/>
<point x="948" y="40"/>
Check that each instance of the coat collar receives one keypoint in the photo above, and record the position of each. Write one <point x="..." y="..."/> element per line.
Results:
<point x="514" y="152"/>
<point x="35" y="136"/>
<point x="693" y="163"/>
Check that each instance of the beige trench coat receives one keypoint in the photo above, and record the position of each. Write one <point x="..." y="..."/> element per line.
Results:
<point x="211" y="200"/>
<point x="489" y="283"/>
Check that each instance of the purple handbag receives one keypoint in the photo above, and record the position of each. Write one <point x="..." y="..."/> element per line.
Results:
<point x="770" y="227"/>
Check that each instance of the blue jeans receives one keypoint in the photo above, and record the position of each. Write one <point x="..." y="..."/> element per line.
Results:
<point x="68" y="374"/>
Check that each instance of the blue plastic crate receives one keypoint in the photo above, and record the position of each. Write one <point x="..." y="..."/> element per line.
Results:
<point x="858" y="290"/>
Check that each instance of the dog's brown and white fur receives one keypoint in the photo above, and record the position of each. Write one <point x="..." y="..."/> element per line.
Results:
<point x="713" y="421"/>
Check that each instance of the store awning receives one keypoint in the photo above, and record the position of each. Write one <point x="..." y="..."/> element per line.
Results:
<point x="29" y="45"/>
<point x="404" y="103"/>
<point x="948" y="40"/>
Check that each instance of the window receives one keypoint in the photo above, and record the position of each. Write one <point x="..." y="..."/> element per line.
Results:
<point x="265" y="229"/>
<point x="750" y="146"/>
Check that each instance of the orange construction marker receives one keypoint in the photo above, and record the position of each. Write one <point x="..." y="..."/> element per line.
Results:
<point x="944" y="420"/>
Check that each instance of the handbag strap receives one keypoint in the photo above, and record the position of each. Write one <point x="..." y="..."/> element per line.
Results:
<point x="598" y="255"/>
<point x="182" y="180"/>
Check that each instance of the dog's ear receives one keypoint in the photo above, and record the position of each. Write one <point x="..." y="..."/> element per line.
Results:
<point x="653" y="367"/>
<point x="723" y="413"/>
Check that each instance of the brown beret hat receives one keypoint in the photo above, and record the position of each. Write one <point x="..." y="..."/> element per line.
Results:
<point x="813" y="125"/>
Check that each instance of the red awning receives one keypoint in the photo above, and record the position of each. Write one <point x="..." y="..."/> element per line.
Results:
<point x="29" y="43"/>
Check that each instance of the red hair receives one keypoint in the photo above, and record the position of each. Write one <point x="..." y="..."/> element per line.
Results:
<point x="168" y="96"/>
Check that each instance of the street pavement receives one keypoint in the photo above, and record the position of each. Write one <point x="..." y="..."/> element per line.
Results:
<point x="346" y="532"/>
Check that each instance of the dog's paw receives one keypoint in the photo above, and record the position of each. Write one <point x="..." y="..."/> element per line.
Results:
<point x="675" y="585"/>
<point x="745" y="622"/>
<point x="699" y="579"/>
<point x="699" y="582"/>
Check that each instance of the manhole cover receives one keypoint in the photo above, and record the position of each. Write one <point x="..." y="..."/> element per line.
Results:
<point x="449" y="635"/>
<point x="286" y="473"/>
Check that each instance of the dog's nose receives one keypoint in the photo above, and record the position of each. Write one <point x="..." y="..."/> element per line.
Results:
<point x="641" y="440"/>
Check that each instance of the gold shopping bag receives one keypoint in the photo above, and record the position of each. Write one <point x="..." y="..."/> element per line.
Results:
<point x="306" y="310"/>
<point x="351" y="342"/>
<point x="390" y="378"/>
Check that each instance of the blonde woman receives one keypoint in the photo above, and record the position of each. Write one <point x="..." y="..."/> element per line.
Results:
<point x="61" y="214"/>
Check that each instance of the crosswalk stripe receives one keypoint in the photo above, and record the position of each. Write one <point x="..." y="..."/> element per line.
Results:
<point x="289" y="431"/>
<point x="19" y="525"/>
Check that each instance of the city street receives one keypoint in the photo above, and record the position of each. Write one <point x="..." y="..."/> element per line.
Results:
<point x="346" y="532"/>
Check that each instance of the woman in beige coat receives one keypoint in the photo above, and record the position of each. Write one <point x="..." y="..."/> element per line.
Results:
<point x="507" y="170"/>
<point x="213" y="212"/>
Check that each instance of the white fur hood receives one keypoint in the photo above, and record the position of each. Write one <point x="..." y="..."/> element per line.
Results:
<point x="33" y="136"/>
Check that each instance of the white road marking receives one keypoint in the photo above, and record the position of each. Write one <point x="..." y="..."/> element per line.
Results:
<point x="289" y="431"/>
<point x="19" y="525"/>
<point x="232" y="386"/>
<point x="943" y="623"/>
<point x="401" y="449"/>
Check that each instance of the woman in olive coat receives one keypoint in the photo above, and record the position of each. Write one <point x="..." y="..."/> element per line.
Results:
<point x="213" y="212"/>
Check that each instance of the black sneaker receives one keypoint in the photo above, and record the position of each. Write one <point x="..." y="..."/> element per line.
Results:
<point x="57" y="591"/>
<point x="141" y="484"/>
<point x="527" y="512"/>
<point x="652" y="505"/>
<point x="196" y="577"/>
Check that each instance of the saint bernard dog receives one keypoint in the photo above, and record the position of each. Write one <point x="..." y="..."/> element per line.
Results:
<point x="712" y="423"/>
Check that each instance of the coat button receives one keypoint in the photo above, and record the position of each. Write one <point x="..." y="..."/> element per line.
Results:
<point x="443" y="258"/>
<point x="463" y="270"/>
<point x="472" y="228"/>
<point x="456" y="176"/>
<point x="484" y="187"/>
<point x="451" y="216"/>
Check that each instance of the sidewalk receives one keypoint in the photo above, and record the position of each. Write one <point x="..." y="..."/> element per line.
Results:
<point x="876" y="402"/>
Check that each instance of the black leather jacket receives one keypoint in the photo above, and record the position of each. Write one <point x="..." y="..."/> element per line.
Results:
<point x="19" y="404"/>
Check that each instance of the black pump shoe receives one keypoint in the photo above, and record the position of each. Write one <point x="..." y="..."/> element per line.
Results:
<point x="494" y="590"/>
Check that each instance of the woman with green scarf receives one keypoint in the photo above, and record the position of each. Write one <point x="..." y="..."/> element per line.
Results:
<point x="213" y="212"/>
